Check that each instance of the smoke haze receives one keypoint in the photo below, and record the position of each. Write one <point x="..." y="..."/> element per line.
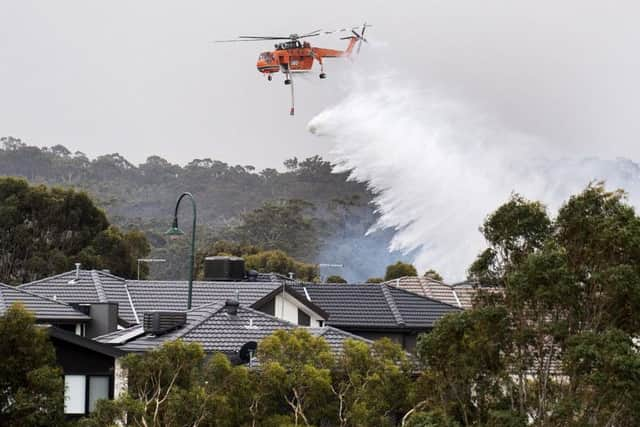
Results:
<point x="439" y="167"/>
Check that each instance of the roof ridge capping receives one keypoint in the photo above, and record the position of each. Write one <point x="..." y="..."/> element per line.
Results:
<point x="392" y="305"/>
<point x="413" y="294"/>
<point x="95" y="278"/>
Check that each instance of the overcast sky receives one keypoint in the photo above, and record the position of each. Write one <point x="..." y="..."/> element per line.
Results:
<point x="142" y="78"/>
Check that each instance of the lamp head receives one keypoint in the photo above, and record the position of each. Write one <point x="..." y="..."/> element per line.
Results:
<point x="174" y="232"/>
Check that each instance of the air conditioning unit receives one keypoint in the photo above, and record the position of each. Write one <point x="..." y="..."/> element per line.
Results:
<point x="161" y="322"/>
<point x="224" y="268"/>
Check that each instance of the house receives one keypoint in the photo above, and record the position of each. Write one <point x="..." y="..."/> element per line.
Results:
<point x="224" y="326"/>
<point x="135" y="297"/>
<point x="375" y="311"/>
<point x="368" y="310"/>
<point x="460" y="294"/>
<point x="88" y="366"/>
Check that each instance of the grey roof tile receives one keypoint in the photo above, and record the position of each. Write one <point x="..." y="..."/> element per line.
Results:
<point x="216" y="330"/>
<point x="90" y="286"/>
<point x="375" y="306"/>
<point x="44" y="309"/>
<point x="172" y="295"/>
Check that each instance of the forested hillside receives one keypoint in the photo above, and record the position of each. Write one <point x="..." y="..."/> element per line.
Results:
<point x="143" y="196"/>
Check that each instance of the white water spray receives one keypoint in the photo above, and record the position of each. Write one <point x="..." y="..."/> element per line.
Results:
<point x="439" y="168"/>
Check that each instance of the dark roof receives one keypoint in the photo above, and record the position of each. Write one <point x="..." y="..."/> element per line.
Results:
<point x="44" y="309"/>
<point x="83" y="342"/>
<point x="134" y="297"/>
<point x="149" y="295"/>
<point x="91" y="286"/>
<point x="375" y="306"/>
<point x="216" y="330"/>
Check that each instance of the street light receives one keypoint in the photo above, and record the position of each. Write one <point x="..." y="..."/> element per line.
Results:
<point x="175" y="231"/>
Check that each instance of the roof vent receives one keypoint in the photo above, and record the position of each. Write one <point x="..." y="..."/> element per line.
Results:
<point x="161" y="322"/>
<point x="231" y="307"/>
<point x="252" y="275"/>
<point x="224" y="268"/>
<point x="76" y="279"/>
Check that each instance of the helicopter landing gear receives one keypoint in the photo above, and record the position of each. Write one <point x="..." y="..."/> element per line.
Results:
<point x="323" y="76"/>
<point x="269" y="77"/>
<point x="287" y="81"/>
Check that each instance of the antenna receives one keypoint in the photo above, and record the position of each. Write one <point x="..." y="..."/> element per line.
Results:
<point x="320" y="266"/>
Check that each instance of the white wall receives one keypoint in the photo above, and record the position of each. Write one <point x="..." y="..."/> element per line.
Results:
<point x="287" y="309"/>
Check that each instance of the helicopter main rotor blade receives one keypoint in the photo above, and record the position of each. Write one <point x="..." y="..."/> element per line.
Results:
<point x="237" y="40"/>
<point x="308" y="35"/>
<point x="312" y="33"/>
<point x="264" y="37"/>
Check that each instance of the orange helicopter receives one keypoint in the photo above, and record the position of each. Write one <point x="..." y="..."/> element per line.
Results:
<point x="297" y="56"/>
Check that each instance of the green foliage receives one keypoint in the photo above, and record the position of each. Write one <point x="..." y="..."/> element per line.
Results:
<point x="554" y="344"/>
<point x="400" y="269"/>
<point x="465" y="360"/>
<point x="430" y="419"/>
<point x="513" y="231"/>
<point x="335" y="279"/>
<point x="31" y="385"/>
<point x="375" y="280"/>
<point x="43" y="231"/>
<point x="298" y="365"/>
<point x="605" y="371"/>
<point x="277" y="261"/>
<point x="298" y="381"/>
<point x="157" y="378"/>
<point x="432" y="274"/>
<point x="282" y="225"/>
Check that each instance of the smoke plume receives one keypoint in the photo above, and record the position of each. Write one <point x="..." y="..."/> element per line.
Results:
<point x="439" y="168"/>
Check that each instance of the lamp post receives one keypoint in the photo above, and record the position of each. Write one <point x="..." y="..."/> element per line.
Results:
<point x="175" y="231"/>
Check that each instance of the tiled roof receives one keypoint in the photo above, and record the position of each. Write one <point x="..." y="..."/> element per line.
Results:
<point x="148" y="295"/>
<point x="216" y="330"/>
<point x="134" y="297"/>
<point x="44" y="309"/>
<point x="90" y="286"/>
<point x="461" y="295"/>
<point x="374" y="306"/>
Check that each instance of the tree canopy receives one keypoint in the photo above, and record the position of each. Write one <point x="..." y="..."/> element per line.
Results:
<point x="300" y="381"/>
<point x="43" y="231"/>
<point x="31" y="386"/>
<point x="400" y="269"/>
<point x="552" y="342"/>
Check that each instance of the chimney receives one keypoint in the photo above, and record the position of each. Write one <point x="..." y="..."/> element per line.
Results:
<point x="231" y="307"/>
<point x="78" y="271"/>
<point x="104" y="318"/>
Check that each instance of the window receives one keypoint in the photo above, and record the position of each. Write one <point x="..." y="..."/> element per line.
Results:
<point x="75" y="390"/>
<point x="303" y="318"/>
<point x="98" y="389"/>
<point x="82" y="392"/>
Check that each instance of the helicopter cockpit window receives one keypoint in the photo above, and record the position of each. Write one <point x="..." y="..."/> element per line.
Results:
<point x="266" y="56"/>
